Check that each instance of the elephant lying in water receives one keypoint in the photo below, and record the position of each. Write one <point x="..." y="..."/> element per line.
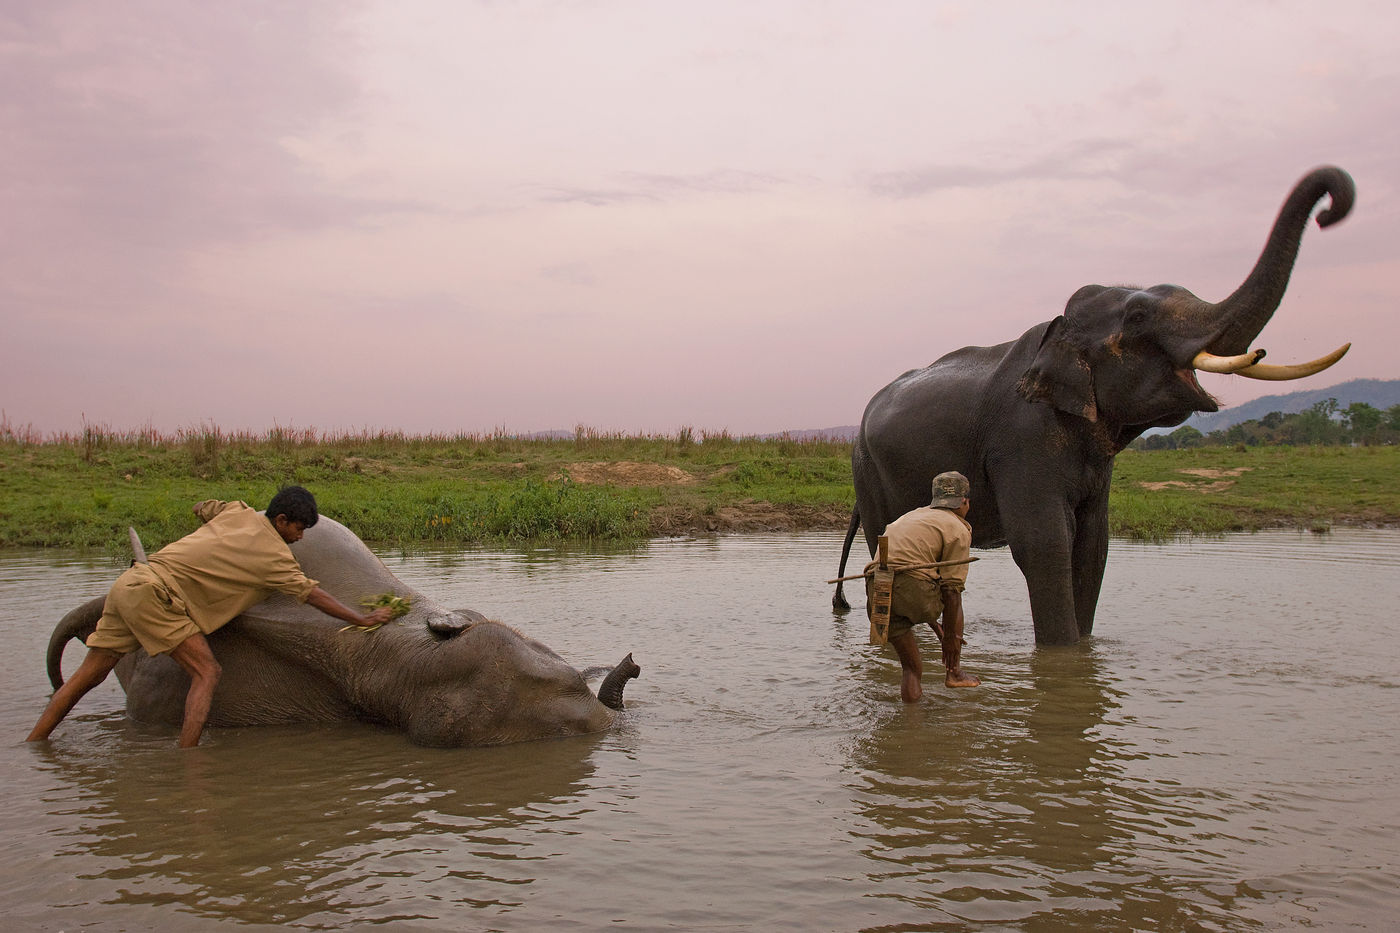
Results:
<point x="446" y="677"/>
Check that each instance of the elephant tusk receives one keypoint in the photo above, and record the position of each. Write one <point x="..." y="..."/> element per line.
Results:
<point x="1296" y="371"/>
<point x="1210" y="363"/>
<point x="138" y="553"/>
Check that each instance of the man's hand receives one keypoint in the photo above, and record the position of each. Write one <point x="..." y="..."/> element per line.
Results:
<point x="333" y="607"/>
<point x="955" y="676"/>
<point x="203" y="504"/>
<point x="377" y="617"/>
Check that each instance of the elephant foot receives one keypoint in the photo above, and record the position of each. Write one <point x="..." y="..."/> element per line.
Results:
<point x="957" y="677"/>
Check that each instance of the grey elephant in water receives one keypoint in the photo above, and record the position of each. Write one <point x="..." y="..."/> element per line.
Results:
<point x="1035" y="423"/>
<point x="445" y="677"/>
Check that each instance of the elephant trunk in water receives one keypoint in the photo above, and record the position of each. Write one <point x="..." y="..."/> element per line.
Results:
<point x="79" y="623"/>
<point x="1240" y="318"/>
<point x="610" y="691"/>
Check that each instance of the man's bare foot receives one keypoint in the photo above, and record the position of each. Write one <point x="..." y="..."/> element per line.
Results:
<point x="957" y="677"/>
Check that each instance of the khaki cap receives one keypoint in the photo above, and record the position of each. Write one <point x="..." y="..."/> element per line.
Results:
<point x="949" y="490"/>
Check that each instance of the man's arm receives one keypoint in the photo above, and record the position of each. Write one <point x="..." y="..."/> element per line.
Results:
<point x="333" y="607"/>
<point x="209" y="508"/>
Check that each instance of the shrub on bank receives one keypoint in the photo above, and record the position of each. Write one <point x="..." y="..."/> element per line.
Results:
<point x="84" y="490"/>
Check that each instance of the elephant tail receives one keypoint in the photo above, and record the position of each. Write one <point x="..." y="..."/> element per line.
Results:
<point x="79" y="624"/>
<point x="610" y="690"/>
<point x="838" y="599"/>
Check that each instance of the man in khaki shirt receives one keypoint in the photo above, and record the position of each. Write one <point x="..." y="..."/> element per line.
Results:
<point x="936" y="532"/>
<point x="194" y="586"/>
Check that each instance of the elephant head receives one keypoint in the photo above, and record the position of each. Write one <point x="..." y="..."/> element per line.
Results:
<point x="1126" y="358"/>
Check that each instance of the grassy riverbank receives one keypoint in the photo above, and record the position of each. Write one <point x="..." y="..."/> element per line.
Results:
<point x="1158" y="494"/>
<point x="84" y="490"/>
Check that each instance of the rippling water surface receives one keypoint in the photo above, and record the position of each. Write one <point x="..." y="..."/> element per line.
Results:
<point x="1222" y="755"/>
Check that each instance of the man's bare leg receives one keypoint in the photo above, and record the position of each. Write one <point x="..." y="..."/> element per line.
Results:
<point x="194" y="656"/>
<point x="95" y="667"/>
<point x="910" y="685"/>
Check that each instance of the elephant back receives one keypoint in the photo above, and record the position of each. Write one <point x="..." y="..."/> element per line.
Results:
<point x="345" y="567"/>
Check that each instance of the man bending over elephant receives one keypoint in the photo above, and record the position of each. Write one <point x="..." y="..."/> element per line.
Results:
<point x="936" y="532"/>
<point x="194" y="586"/>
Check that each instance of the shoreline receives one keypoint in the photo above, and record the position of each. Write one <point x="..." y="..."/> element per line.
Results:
<point x="765" y="517"/>
<point x="409" y="492"/>
<point x="756" y="519"/>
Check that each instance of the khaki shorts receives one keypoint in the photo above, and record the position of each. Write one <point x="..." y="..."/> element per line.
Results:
<point x="141" y="612"/>
<point x="914" y="600"/>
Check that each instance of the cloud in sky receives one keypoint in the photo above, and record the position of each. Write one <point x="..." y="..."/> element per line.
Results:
<point x="441" y="216"/>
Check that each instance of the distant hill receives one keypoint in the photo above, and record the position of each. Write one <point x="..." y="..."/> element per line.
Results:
<point x="1378" y="393"/>
<point x="846" y="432"/>
<point x="843" y="433"/>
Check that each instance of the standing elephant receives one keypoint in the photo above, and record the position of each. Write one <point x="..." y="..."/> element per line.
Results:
<point x="1035" y="423"/>
<point x="445" y="677"/>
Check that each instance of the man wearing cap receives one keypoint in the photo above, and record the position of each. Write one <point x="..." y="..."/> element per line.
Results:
<point x="936" y="532"/>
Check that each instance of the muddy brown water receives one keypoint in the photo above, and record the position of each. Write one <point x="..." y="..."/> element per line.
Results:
<point x="1222" y="755"/>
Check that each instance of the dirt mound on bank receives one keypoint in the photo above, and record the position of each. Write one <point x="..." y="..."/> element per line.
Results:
<point x="627" y="473"/>
<point x="678" y="520"/>
<point x="1224" y="479"/>
<point x="745" y="517"/>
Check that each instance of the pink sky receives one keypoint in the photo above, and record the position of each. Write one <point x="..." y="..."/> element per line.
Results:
<point x="637" y="216"/>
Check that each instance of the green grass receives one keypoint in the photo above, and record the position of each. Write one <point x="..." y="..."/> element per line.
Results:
<point x="82" y="491"/>
<point x="1215" y="490"/>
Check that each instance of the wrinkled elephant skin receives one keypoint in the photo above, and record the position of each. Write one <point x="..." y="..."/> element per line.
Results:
<point x="445" y="677"/>
<point x="1035" y="423"/>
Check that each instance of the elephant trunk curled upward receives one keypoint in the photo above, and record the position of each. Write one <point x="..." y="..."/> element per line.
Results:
<point x="445" y="677"/>
<point x="1036" y="423"/>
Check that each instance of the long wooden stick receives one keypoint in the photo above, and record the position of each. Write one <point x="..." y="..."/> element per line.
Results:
<point x="939" y="563"/>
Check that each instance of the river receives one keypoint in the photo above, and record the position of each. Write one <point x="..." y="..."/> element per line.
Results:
<point x="1221" y="755"/>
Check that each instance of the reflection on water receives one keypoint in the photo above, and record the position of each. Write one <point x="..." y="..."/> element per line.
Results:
<point x="1009" y="808"/>
<point x="1219" y="756"/>
<point x="304" y="839"/>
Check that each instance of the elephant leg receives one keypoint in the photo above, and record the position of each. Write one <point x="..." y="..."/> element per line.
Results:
<point x="1049" y="584"/>
<point x="1041" y="540"/>
<point x="1090" y="558"/>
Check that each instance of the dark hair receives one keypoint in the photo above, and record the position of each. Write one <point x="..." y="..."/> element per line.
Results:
<point x="298" y="504"/>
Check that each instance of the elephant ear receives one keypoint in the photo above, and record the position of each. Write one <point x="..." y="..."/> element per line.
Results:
<point x="1060" y="374"/>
